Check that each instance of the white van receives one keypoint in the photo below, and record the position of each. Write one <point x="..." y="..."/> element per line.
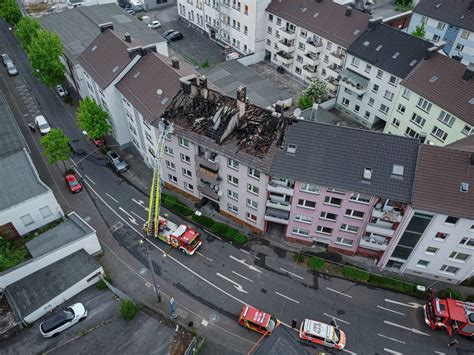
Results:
<point x="42" y="125"/>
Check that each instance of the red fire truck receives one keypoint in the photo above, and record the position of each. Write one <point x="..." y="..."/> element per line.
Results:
<point x="182" y="237"/>
<point x="456" y="316"/>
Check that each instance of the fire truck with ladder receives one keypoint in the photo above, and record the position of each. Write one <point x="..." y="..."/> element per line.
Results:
<point x="456" y="316"/>
<point x="181" y="237"/>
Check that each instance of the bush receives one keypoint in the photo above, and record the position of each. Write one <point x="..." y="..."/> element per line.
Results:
<point x="229" y="233"/>
<point x="11" y="255"/>
<point x="355" y="274"/>
<point x="392" y="284"/>
<point x="172" y="203"/>
<point x="316" y="263"/>
<point x="470" y="298"/>
<point x="450" y="293"/>
<point x="304" y="102"/>
<point x="298" y="258"/>
<point x="203" y="220"/>
<point x="128" y="309"/>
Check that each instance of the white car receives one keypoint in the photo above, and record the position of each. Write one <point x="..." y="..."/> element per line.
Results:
<point x="60" y="90"/>
<point x="154" y="24"/>
<point x="57" y="322"/>
<point x="42" y="125"/>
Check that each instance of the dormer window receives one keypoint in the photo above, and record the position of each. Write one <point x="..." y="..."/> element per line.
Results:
<point x="397" y="170"/>
<point x="368" y="173"/>
<point x="464" y="187"/>
<point x="291" y="148"/>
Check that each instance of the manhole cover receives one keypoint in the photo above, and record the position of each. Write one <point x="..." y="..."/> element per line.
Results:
<point x="214" y="318"/>
<point x="142" y="271"/>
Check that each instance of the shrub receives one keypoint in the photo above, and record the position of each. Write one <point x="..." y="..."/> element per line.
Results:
<point x="128" y="309"/>
<point x="393" y="284"/>
<point x="304" y="102"/>
<point x="355" y="274"/>
<point x="11" y="255"/>
<point x="450" y="293"/>
<point x="316" y="263"/>
<point x="298" y="257"/>
<point x="470" y="298"/>
<point x="229" y="233"/>
<point x="172" y="203"/>
<point x="203" y="220"/>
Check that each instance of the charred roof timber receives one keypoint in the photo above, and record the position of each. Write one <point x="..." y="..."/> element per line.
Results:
<point x="106" y="26"/>
<point x="252" y="129"/>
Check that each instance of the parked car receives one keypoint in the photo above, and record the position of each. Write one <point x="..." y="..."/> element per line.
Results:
<point x="60" y="90"/>
<point x="118" y="164"/>
<point x="6" y="58"/>
<point x="98" y="142"/>
<point x="175" y="36"/>
<point x="11" y="69"/>
<point x="256" y="320"/>
<point x="167" y="33"/>
<point x="322" y="334"/>
<point x="154" y="24"/>
<point x="72" y="182"/>
<point x="42" y="125"/>
<point x="57" y="322"/>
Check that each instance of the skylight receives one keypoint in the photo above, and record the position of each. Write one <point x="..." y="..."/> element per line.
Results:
<point x="356" y="32"/>
<point x="433" y="79"/>
<point x="413" y="62"/>
<point x="94" y="48"/>
<point x="395" y="56"/>
<point x="115" y="69"/>
<point x="316" y="14"/>
<point x="471" y="101"/>
<point x="379" y="47"/>
<point x="291" y="148"/>
<point x="366" y="43"/>
<point x="464" y="187"/>
<point x="164" y="101"/>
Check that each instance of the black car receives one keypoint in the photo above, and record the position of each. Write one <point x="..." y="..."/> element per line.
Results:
<point x="175" y="36"/>
<point x="167" y="33"/>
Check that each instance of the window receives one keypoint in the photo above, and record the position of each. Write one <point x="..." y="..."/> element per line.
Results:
<point x="349" y="228"/>
<point x="449" y="269"/>
<point x="299" y="59"/>
<point x="252" y="189"/>
<point x="269" y="43"/>
<point x="328" y="216"/>
<point x="367" y="115"/>
<point x="431" y="250"/>
<point x="170" y="165"/>
<point x="299" y="231"/>
<point x="355" y="62"/>
<point x="346" y="90"/>
<point x="270" y="17"/>
<point x="26" y="220"/>
<point x="251" y="217"/>
<point x="384" y="108"/>
<point x="306" y="204"/>
<point x="298" y="70"/>
<point x="185" y="158"/>
<point x="252" y="204"/>
<point x="392" y="80"/>
<point x="329" y="46"/>
<point x="418" y="120"/>
<point x="233" y="195"/>
<point x="388" y="95"/>
<point x="324" y="230"/>
<point x="446" y="118"/>
<point x="232" y="208"/>
<point x="436" y="38"/>
<point x="172" y="178"/>
<point x="188" y="186"/>
<point x="424" y="105"/>
<point x="455" y="256"/>
<point x="424" y="20"/>
<point x="310" y="188"/>
<point x="234" y="164"/>
<point x="451" y="220"/>
<point x="439" y="133"/>
<point x="326" y="59"/>
<point x="269" y="30"/>
<point x="401" y="108"/>
<point x="278" y="21"/>
<point x="45" y="212"/>
<point x="441" y="236"/>
<point x="465" y="34"/>
<point x="187" y="173"/>
<point x="354" y="214"/>
<point x="303" y="219"/>
<point x="441" y="25"/>
<point x="301" y="46"/>
<point x="468" y="242"/>
<point x="422" y="263"/>
<point x="169" y="151"/>
<point x="466" y="130"/>
<point x="344" y="241"/>
<point x="371" y="101"/>
<point x="356" y="108"/>
<point x="232" y="180"/>
<point x="379" y="74"/>
<point x="411" y="133"/>
<point x="367" y="173"/>
<point x="333" y="201"/>
<point x="368" y="67"/>
<point x="406" y="93"/>
<point x="360" y="198"/>
<point x="254" y="173"/>
<point x="183" y="142"/>
<point x="345" y="101"/>
<point x="396" y="122"/>
<point x="375" y="88"/>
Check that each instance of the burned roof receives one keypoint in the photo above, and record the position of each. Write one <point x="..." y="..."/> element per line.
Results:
<point x="243" y="131"/>
<point x="459" y="13"/>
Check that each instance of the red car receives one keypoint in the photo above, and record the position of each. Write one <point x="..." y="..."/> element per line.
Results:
<point x="98" y="141"/>
<point x="72" y="182"/>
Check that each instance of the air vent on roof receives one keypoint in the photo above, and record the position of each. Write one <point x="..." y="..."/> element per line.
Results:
<point x="136" y="74"/>
<point x="438" y="5"/>
<point x="433" y="79"/>
<point x="159" y="92"/>
<point x="368" y="173"/>
<point x="302" y="8"/>
<point x="395" y="56"/>
<point x="115" y="69"/>
<point x="379" y="47"/>
<point x="471" y="101"/>
<point x="291" y="148"/>
<point x="356" y="32"/>
<point x="464" y="187"/>
<point x="316" y="14"/>
<point x="366" y="43"/>
<point x="94" y="48"/>
<point x="413" y="62"/>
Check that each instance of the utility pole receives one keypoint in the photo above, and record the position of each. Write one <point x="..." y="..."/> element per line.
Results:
<point x="150" y="265"/>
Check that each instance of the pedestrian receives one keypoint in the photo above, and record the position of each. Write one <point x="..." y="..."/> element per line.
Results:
<point x="453" y="343"/>
<point x="294" y="323"/>
<point x="31" y="126"/>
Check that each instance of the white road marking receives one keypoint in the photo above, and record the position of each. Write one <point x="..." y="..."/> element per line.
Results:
<point x="340" y="320"/>
<point x="237" y="286"/>
<point x="390" y="310"/>
<point x="413" y="330"/>
<point x="132" y="219"/>
<point x="343" y="294"/>
<point x="409" y="304"/>
<point x="88" y="178"/>
<point x="288" y="298"/>
<point x="140" y="203"/>
<point x="136" y="215"/>
<point x="78" y="173"/>
<point x="113" y="199"/>
<point x="244" y="251"/>
<point x="246" y="278"/>
<point x="392" y="351"/>
<point x="386" y="337"/>
<point x="440" y="353"/>
<point x="204" y="256"/>
<point x="72" y="160"/>
<point x="251" y="267"/>
<point x="204" y="322"/>
<point x="349" y="352"/>
<point x="298" y="276"/>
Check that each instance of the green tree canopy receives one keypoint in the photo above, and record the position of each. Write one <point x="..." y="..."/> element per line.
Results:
<point x="316" y="92"/>
<point x="25" y="30"/>
<point x="10" y="11"/>
<point x="44" y="52"/>
<point x="56" y="146"/>
<point x="92" y="118"/>
<point x="420" y="31"/>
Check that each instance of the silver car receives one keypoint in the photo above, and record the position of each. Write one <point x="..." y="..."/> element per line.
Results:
<point x="119" y="165"/>
<point x="6" y="59"/>
<point x="11" y="69"/>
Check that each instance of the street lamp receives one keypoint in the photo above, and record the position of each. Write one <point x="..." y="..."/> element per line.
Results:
<point x="150" y="265"/>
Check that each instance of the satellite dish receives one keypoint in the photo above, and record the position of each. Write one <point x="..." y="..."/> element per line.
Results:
<point x="219" y="193"/>
<point x="297" y="112"/>
<point x="159" y="91"/>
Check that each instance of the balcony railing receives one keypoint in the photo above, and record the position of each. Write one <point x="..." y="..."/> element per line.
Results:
<point x="373" y="244"/>
<point x="278" y="205"/>
<point x="337" y="58"/>
<point x="209" y="164"/>
<point x="208" y="192"/>
<point x="354" y="81"/>
<point x="382" y="228"/>
<point x="279" y="189"/>
<point x="285" y="57"/>
<point x="276" y="217"/>
<point x="207" y="175"/>
<point x="313" y="45"/>
<point x="287" y="34"/>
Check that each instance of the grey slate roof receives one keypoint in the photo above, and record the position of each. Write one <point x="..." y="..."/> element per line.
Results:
<point x="65" y="233"/>
<point x="33" y="291"/>
<point x="337" y="156"/>
<point x="80" y="26"/>
<point x="11" y="140"/>
<point x="390" y="41"/>
<point x="453" y="12"/>
<point x="229" y="75"/>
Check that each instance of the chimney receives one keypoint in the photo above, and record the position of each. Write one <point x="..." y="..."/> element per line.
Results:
<point x="189" y="84"/>
<point x="471" y="5"/>
<point x="241" y="100"/>
<point x="279" y="109"/>
<point x="373" y="23"/>
<point x="175" y="63"/>
<point x="348" y="11"/>
<point x="134" y="51"/>
<point x="149" y="48"/>
<point x="430" y="51"/>
<point x="127" y="37"/>
<point x="203" y="85"/>
<point x="106" y="26"/>
<point x="469" y="73"/>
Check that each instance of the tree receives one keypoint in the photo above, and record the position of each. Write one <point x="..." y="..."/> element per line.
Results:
<point x="403" y="5"/>
<point x="304" y="102"/>
<point x="93" y="119"/>
<point x="56" y="146"/>
<point x="316" y="92"/>
<point x="26" y="30"/>
<point x="420" y="31"/>
<point x="128" y="309"/>
<point x="10" y="11"/>
<point x="44" y="52"/>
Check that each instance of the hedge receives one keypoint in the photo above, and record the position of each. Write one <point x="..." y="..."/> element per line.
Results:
<point x="173" y="204"/>
<point x="316" y="263"/>
<point x="203" y="220"/>
<point x="229" y="233"/>
<point x="449" y="293"/>
<point x="355" y="274"/>
<point x="392" y="284"/>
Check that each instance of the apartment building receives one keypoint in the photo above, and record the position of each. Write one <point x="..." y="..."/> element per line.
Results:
<point x="376" y="63"/>
<point x="435" y="102"/>
<point x="310" y="38"/>
<point x="450" y="22"/>
<point x="238" y="24"/>
<point x="345" y="188"/>
<point x="437" y="240"/>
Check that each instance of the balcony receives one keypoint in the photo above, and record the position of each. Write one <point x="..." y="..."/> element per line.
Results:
<point x="332" y="85"/>
<point x="287" y="34"/>
<point x="314" y="46"/>
<point x="208" y="192"/>
<point x="374" y="243"/>
<point x="380" y="227"/>
<point x="310" y="71"/>
<point x="211" y="163"/>
<point x="311" y="58"/>
<point x="354" y="81"/>
<point x="391" y="216"/>
<point x="280" y="188"/>
<point x="337" y="58"/>
<point x="286" y="46"/>
<point x="277" y="216"/>
<point x="285" y="58"/>
<point x="207" y="175"/>
<point x="278" y="205"/>
<point x="333" y="70"/>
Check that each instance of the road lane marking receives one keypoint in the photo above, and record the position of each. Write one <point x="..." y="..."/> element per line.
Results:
<point x="140" y="203"/>
<point x="386" y="337"/>
<point x="288" y="298"/>
<point x="88" y="178"/>
<point x="251" y="267"/>
<point x="340" y="320"/>
<point x="392" y="351"/>
<point x="113" y="199"/>
<point x="298" y="276"/>
<point x="440" y="353"/>
<point x="130" y="217"/>
<point x="204" y="256"/>
<point x="136" y="215"/>
<point x="244" y="251"/>
<point x="246" y="278"/>
<point x="78" y="173"/>
<point x="409" y="304"/>
<point x="343" y="294"/>
<point x="349" y="352"/>
<point x="390" y="310"/>
<point x="413" y="330"/>
<point x="72" y="160"/>
<point x="237" y="286"/>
